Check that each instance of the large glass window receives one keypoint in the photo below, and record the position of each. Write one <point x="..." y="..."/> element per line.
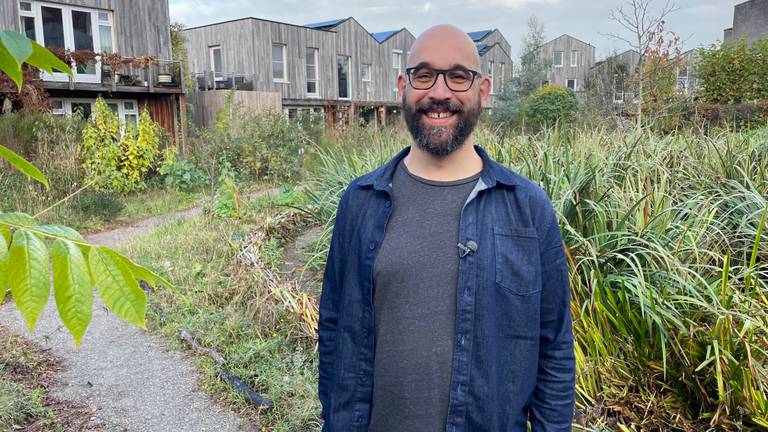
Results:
<point x="312" y="72"/>
<point x="342" y="67"/>
<point x="365" y="72"/>
<point x="574" y="58"/>
<point x="216" y="65"/>
<point x="278" y="62"/>
<point x="69" y="27"/>
<point x="53" y="27"/>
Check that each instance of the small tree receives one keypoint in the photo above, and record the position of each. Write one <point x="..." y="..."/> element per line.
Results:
<point x="644" y="32"/>
<point x="532" y="70"/>
<point x="734" y="72"/>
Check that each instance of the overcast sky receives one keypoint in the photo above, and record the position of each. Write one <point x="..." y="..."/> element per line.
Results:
<point x="698" y="22"/>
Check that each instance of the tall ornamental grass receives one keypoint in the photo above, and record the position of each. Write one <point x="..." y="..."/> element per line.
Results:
<point x="668" y="256"/>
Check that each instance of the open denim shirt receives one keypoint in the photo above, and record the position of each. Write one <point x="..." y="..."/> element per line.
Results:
<point x="513" y="358"/>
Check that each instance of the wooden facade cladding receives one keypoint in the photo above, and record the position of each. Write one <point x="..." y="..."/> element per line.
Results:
<point x="561" y="74"/>
<point x="141" y="26"/>
<point x="502" y="69"/>
<point x="246" y="50"/>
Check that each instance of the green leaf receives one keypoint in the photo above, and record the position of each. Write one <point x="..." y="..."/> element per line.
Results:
<point x="6" y="233"/>
<point x="117" y="285"/>
<point x="42" y="58"/>
<point x="17" y="45"/>
<point x="28" y="276"/>
<point x="10" y="67"/>
<point x="72" y="287"/>
<point x="142" y="273"/>
<point x="60" y="232"/>
<point x="22" y="165"/>
<point x="17" y="219"/>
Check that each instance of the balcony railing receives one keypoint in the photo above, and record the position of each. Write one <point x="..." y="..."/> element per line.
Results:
<point x="132" y="74"/>
<point x="210" y="80"/>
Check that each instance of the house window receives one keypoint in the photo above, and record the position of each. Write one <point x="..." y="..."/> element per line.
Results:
<point x="216" y="64"/>
<point x="557" y="61"/>
<point x="126" y="110"/>
<point x="312" y="72"/>
<point x="278" y="63"/>
<point x="501" y="75"/>
<point x="365" y="72"/>
<point x="342" y="65"/>
<point x="27" y="18"/>
<point x="397" y="68"/>
<point x="69" y="27"/>
<point x="574" y="58"/>
<point x="571" y="84"/>
<point x="490" y="75"/>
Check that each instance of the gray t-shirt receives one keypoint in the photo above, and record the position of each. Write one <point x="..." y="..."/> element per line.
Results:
<point x="415" y="279"/>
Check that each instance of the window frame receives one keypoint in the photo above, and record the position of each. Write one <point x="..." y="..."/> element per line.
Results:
<point x="122" y="112"/>
<point x="217" y="75"/>
<point x="370" y="72"/>
<point x="316" y="79"/>
<point x="554" y="59"/>
<point x="574" y="58"/>
<point x="283" y="47"/>
<point x="68" y="33"/>
<point x="349" y="80"/>
<point x="574" y="83"/>
<point x="490" y="75"/>
<point x="399" y="67"/>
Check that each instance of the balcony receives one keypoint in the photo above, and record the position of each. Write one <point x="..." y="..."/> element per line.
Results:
<point x="145" y="74"/>
<point x="210" y="80"/>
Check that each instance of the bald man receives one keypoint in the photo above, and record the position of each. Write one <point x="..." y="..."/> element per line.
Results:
<point x="445" y="301"/>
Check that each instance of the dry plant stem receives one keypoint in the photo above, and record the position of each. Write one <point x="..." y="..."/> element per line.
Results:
<point x="61" y="201"/>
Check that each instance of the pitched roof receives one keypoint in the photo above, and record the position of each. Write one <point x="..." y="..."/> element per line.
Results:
<point x="384" y="35"/>
<point x="479" y="35"/>
<point x="325" y="24"/>
<point x="484" y="48"/>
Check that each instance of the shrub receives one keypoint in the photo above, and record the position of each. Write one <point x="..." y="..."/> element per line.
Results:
<point x="273" y="146"/>
<point x="551" y="104"/>
<point x="181" y="175"/>
<point x="734" y="72"/>
<point x="116" y="161"/>
<point x="98" y="204"/>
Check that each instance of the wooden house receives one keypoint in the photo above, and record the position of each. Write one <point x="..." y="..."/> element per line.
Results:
<point x="144" y="73"/>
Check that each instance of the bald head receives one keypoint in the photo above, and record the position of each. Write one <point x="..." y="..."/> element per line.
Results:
<point x="444" y="46"/>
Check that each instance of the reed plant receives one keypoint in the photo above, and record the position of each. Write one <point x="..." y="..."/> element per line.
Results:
<point x="668" y="255"/>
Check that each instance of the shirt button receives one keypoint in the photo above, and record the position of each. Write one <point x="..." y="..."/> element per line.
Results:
<point x="461" y="340"/>
<point x="388" y="203"/>
<point x="372" y="246"/>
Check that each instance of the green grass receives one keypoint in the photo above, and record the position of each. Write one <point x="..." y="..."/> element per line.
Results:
<point x="222" y="298"/>
<point x="24" y="374"/>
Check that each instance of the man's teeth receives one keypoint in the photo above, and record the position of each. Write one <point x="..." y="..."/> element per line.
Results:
<point x="439" y="114"/>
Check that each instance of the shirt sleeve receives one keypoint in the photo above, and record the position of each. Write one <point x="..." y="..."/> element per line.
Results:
<point x="551" y="408"/>
<point x="330" y="299"/>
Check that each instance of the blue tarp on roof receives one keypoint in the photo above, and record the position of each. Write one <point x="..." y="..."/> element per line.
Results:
<point x="478" y="35"/>
<point x="382" y="36"/>
<point x="322" y="24"/>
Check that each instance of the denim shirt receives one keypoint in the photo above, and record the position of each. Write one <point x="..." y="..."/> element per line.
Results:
<point x="513" y="357"/>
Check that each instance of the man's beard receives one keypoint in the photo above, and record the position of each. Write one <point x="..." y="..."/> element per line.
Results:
<point x="441" y="140"/>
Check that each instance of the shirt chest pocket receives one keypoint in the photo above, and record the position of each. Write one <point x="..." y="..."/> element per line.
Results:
<point x="516" y="261"/>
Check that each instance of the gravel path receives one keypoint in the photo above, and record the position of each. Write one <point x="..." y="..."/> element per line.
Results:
<point x="134" y="382"/>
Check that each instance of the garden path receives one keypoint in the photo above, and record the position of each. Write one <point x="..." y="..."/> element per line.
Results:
<point x="132" y="380"/>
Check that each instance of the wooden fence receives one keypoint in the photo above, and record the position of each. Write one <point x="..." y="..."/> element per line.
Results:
<point x="206" y="104"/>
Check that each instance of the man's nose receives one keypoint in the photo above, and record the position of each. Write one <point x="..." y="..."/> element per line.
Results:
<point x="440" y="90"/>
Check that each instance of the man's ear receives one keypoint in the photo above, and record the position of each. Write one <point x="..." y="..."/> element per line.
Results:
<point x="485" y="90"/>
<point x="401" y="86"/>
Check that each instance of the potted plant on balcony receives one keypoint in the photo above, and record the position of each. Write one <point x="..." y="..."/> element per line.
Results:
<point x="146" y="62"/>
<point x="115" y="62"/>
<point x="83" y="59"/>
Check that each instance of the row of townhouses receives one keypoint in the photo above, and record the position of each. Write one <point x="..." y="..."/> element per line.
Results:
<point x="337" y="67"/>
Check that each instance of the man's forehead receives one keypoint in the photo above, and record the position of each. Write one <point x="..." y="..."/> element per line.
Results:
<point x="442" y="66"/>
<point x="442" y="47"/>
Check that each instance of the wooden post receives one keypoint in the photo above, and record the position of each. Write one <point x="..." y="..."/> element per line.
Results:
<point x="183" y="119"/>
<point x="150" y="77"/>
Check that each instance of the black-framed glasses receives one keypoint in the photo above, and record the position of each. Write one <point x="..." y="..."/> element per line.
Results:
<point x="458" y="79"/>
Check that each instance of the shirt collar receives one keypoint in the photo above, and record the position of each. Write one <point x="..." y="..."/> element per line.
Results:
<point x="492" y="172"/>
